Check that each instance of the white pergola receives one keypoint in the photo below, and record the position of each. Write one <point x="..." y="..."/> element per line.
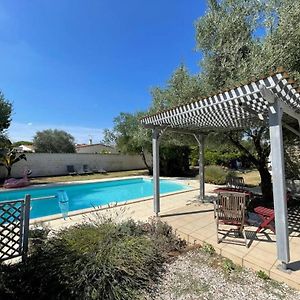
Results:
<point x="273" y="100"/>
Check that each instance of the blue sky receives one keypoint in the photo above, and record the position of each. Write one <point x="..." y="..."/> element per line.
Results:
<point x="75" y="64"/>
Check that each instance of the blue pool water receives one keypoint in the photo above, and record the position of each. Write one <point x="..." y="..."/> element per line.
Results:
<point x="89" y="195"/>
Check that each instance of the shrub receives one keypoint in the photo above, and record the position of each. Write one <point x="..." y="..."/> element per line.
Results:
<point x="215" y="175"/>
<point x="92" y="261"/>
<point x="174" y="160"/>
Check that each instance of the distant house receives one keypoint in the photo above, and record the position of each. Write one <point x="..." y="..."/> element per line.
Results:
<point x="95" y="148"/>
<point x="24" y="148"/>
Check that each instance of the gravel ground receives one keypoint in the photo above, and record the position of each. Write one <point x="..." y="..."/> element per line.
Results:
<point x="200" y="275"/>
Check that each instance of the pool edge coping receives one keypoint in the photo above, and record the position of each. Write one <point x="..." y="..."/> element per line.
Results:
<point x="104" y="207"/>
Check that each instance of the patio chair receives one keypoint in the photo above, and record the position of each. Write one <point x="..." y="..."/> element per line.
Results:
<point x="236" y="182"/>
<point x="229" y="210"/>
<point x="71" y="170"/>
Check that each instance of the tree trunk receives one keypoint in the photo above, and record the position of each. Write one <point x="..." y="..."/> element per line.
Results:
<point x="150" y="169"/>
<point x="260" y="162"/>
<point x="8" y="168"/>
<point x="266" y="183"/>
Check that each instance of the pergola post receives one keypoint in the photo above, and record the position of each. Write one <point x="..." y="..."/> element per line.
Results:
<point x="279" y="185"/>
<point x="155" y="153"/>
<point x="200" y="140"/>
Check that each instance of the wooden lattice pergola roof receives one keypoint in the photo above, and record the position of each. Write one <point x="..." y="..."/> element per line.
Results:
<point x="236" y="108"/>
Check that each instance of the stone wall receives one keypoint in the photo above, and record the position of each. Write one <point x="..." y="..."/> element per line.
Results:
<point x="49" y="164"/>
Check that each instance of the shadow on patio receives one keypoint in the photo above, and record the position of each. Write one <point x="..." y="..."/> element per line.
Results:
<point x="195" y="223"/>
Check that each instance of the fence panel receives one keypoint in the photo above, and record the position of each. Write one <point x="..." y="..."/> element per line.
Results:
<point x="14" y="228"/>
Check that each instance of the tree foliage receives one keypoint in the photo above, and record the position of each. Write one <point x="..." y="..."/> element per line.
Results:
<point x="129" y="136"/>
<point x="181" y="88"/>
<point x="5" y="113"/>
<point x="5" y="119"/>
<point x="8" y="158"/>
<point x="235" y="49"/>
<point x="54" y="141"/>
<point x="239" y="40"/>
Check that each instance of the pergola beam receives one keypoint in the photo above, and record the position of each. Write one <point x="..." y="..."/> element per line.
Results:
<point x="271" y="98"/>
<point x="155" y="152"/>
<point x="279" y="186"/>
<point x="200" y="139"/>
<point x="290" y="128"/>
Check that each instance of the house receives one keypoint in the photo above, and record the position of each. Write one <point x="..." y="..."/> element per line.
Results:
<point x="24" y="148"/>
<point x="95" y="148"/>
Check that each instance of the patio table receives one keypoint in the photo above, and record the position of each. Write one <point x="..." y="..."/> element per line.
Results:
<point x="233" y="190"/>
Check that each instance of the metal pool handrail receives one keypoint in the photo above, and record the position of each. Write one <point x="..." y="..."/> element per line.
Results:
<point x="33" y="199"/>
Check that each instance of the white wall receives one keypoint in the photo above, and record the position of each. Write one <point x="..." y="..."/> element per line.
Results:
<point x="48" y="164"/>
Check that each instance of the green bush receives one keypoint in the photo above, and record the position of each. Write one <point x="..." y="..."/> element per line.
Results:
<point x="215" y="157"/>
<point x="216" y="175"/>
<point x="174" y="160"/>
<point x="92" y="261"/>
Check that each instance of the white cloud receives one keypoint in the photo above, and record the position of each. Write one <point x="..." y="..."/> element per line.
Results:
<point x="26" y="131"/>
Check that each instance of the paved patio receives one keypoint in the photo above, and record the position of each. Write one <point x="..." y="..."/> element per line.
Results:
<point x="195" y="223"/>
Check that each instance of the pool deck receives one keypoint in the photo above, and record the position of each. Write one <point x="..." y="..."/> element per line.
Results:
<point x="194" y="222"/>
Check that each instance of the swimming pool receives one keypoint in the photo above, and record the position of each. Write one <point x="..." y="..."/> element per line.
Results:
<point x="89" y="195"/>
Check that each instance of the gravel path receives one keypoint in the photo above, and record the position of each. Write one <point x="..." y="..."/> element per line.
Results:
<point x="199" y="275"/>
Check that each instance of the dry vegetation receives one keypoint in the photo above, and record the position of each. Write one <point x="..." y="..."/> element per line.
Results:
<point x="67" y="178"/>
<point x="251" y="178"/>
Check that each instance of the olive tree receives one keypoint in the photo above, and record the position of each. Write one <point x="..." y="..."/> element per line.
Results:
<point x="53" y="141"/>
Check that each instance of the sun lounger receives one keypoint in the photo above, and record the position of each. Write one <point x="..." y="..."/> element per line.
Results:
<point x="71" y="170"/>
<point x="87" y="170"/>
<point x="101" y="171"/>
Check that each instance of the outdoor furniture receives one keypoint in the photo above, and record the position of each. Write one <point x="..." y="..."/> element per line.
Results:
<point x="236" y="182"/>
<point x="267" y="216"/>
<point x="234" y="185"/>
<point x="86" y="170"/>
<point x="233" y="190"/>
<point x="71" y="170"/>
<point x="101" y="171"/>
<point x="229" y="210"/>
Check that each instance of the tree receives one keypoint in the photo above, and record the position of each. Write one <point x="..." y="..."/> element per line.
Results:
<point x="181" y="88"/>
<point x="8" y="158"/>
<point x="5" y="119"/>
<point x="233" y="53"/>
<point x="54" y="141"/>
<point x="129" y="136"/>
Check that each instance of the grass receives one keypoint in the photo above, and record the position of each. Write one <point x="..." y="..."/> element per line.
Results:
<point x="67" y="178"/>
